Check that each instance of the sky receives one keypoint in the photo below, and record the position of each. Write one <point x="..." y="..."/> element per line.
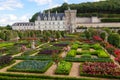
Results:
<point x="12" y="11"/>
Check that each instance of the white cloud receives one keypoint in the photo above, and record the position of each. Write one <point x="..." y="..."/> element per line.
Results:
<point x="10" y="4"/>
<point x="42" y="2"/>
<point x="11" y="18"/>
<point x="99" y="0"/>
<point x="65" y="0"/>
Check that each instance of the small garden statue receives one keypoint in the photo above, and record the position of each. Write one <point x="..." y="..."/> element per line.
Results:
<point x="33" y="44"/>
<point x="23" y="48"/>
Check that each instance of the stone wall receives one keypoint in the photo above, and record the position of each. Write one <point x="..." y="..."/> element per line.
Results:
<point x="99" y="24"/>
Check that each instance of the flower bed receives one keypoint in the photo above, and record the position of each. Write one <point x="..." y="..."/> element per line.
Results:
<point x="5" y="60"/>
<point x="31" y="66"/>
<point x="64" y="68"/>
<point x="99" y="69"/>
<point x="50" y="50"/>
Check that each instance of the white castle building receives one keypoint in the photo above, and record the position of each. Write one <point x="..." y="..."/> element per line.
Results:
<point x="66" y="21"/>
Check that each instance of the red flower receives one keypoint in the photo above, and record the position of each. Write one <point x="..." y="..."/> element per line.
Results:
<point x="97" y="38"/>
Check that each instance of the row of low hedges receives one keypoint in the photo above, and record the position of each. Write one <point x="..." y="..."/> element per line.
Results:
<point x="40" y="57"/>
<point x="6" y="76"/>
<point x="110" y="20"/>
<point x="72" y="59"/>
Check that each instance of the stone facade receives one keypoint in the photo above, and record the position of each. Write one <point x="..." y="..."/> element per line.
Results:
<point x="66" y="21"/>
<point x="51" y="21"/>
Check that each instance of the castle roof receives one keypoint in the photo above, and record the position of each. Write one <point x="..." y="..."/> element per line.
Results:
<point x="55" y="15"/>
<point x="23" y="23"/>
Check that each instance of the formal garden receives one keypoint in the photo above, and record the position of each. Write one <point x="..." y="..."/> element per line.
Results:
<point x="33" y="55"/>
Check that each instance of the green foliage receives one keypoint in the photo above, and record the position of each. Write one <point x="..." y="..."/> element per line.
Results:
<point x="86" y="56"/>
<point x="85" y="47"/>
<point x="73" y="59"/>
<point x="63" y="68"/>
<point x="87" y="34"/>
<point x="110" y="20"/>
<point x="96" y="46"/>
<point x="74" y="46"/>
<point x="72" y="53"/>
<point x="32" y="66"/>
<point x="103" y="35"/>
<point x="103" y="54"/>
<point x="34" y="17"/>
<point x="29" y="52"/>
<point x="114" y="39"/>
<point x="38" y="57"/>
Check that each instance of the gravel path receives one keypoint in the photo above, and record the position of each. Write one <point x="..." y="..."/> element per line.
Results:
<point x="75" y="69"/>
<point x="51" y="70"/>
<point x="5" y="68"/>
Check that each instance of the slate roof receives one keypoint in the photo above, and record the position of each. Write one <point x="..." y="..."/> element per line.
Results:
<point x="55" y="15"/>
<point x="23" y="23"/>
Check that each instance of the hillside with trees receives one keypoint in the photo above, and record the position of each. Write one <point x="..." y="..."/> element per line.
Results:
<point x="108" y="8"/>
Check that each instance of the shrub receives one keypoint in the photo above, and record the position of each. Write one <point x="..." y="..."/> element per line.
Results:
<point x="103" y="54"/>
<point x="63" y="68"/>
<point x="85" y="46"/>
<point x="96" y="46"/>
<point x="73" y="59"/>
<point x="103" y="35"/>
<point x="85" y="56"/>
<point x="87" y="34"/>
<point x="72" y="53"/>
<point x="114" y="39"/>
<point x="74" y="46"/>
<point x="110" y="20"/>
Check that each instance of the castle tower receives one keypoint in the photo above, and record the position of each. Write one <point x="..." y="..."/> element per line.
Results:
<point x="70" y="19"/>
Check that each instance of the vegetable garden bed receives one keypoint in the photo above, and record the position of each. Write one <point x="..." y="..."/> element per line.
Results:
<point x="32" y="66"/>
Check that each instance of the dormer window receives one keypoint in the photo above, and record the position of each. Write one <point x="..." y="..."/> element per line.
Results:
<point x="53" y="18"/>
<point x="45" y="18"/>
<point x="58" y="18"/>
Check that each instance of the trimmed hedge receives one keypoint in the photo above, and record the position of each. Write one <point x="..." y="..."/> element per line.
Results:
<point x="74" y="46"/>
<point x="7" y="75"/>
<point x="103" y="54"/>
<point x="40" y="57"/>
<point x="72" y="59"/>
<point x="110" y="20"/>
<point x="85" y="56"/>
<point x="71" y="53"/>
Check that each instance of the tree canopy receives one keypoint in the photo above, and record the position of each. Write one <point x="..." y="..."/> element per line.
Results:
<point x="101" y="8"/>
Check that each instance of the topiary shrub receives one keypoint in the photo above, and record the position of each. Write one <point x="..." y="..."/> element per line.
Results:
<point x="71" y="53"/>
<point x="103" y="35"/>
<point x="87" y="34"/>
<point x="114" y="39"/>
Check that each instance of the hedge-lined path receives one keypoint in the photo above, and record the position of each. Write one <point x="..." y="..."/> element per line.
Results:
<point x="17" y="54"/>
<point x="75" y="69"/>
<point x="63" y="54"/>
<point x="51" y="70"/>
<point x="5" y="68"/>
